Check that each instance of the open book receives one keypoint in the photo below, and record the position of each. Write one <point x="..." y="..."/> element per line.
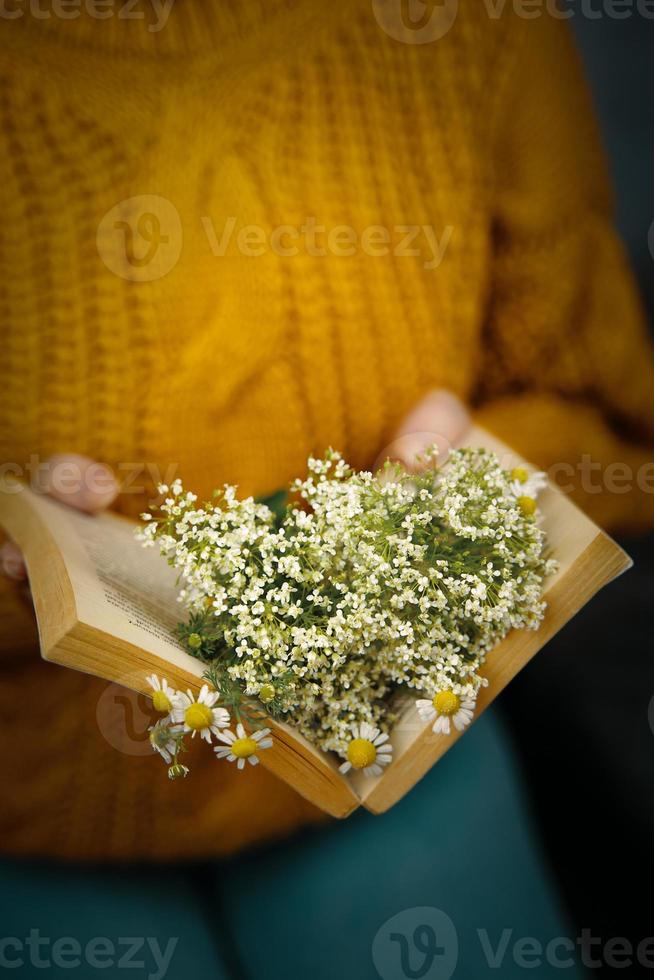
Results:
<point x="107" y="606"/>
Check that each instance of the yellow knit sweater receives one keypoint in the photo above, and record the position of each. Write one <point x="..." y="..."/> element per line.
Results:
<point x="402" y="216"/>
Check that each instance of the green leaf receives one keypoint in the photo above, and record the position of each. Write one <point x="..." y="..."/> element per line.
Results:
<point x="277" y="503"/>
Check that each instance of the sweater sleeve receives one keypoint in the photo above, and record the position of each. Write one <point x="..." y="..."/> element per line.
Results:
<point x="566" y="371"/>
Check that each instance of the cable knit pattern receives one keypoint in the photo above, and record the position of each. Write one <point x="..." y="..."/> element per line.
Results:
<point x="234" y="367"/>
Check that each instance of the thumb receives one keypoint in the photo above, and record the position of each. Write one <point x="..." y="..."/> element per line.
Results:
<point x="74" y="480"/>
<point x="439" y="419"/>
<point x="79" y="482"/>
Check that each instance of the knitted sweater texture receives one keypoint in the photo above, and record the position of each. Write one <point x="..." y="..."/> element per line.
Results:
<point x="267" y="228"/>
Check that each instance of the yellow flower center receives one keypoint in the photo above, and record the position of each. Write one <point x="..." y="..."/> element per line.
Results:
<point x="198" y="716"/>
<point x="243" y="748"/>
<point x="267" y="693"/>
<point x="519" y="474"/>
<point x="447" y="702"/>
<point x="361" y="753"/>
<point x="527" y="505"/>
<point x="161" y="702"/>
<point x="194" y="641"/>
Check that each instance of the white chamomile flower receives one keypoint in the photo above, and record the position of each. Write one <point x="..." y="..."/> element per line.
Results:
<point x="162" y="739"/>
<point x="242" y="746"/>
<point x="446" y="707"/>
<point x="368" y="750"/>
<point x="200" y="714"/>
<point x="164" y="696"/>
<point x="527" y="484"/>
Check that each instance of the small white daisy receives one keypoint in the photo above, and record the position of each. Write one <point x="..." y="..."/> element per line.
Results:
<point x="526" y="484"/>
<point x="200" y="714"/>
<point x="162" y="740"/>
<point x="446" y="707"/>
<point x="242" y="746"/>
<point x="164" y="696"/>
<point x="369" y="750"/>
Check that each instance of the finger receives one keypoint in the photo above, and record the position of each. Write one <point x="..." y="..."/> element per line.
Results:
<point x="79" y="482"/>
<point x="440" y="419"/>
<point x="11" y="562"/>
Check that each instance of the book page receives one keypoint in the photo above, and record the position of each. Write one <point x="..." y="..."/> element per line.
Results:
<point x="120" y="587"/>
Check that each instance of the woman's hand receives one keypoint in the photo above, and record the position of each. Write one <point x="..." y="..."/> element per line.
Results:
<point x="74" y="480"/>
<point x="440" y="419"/>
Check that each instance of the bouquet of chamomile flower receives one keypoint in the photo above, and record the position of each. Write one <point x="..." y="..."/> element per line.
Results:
<point x="316" y="607"/>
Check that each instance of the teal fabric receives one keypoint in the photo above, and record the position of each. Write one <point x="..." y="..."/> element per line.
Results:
<point x="143" y="914"/>
<point x="461" y="844"/>
<point x="448" y="878"/>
